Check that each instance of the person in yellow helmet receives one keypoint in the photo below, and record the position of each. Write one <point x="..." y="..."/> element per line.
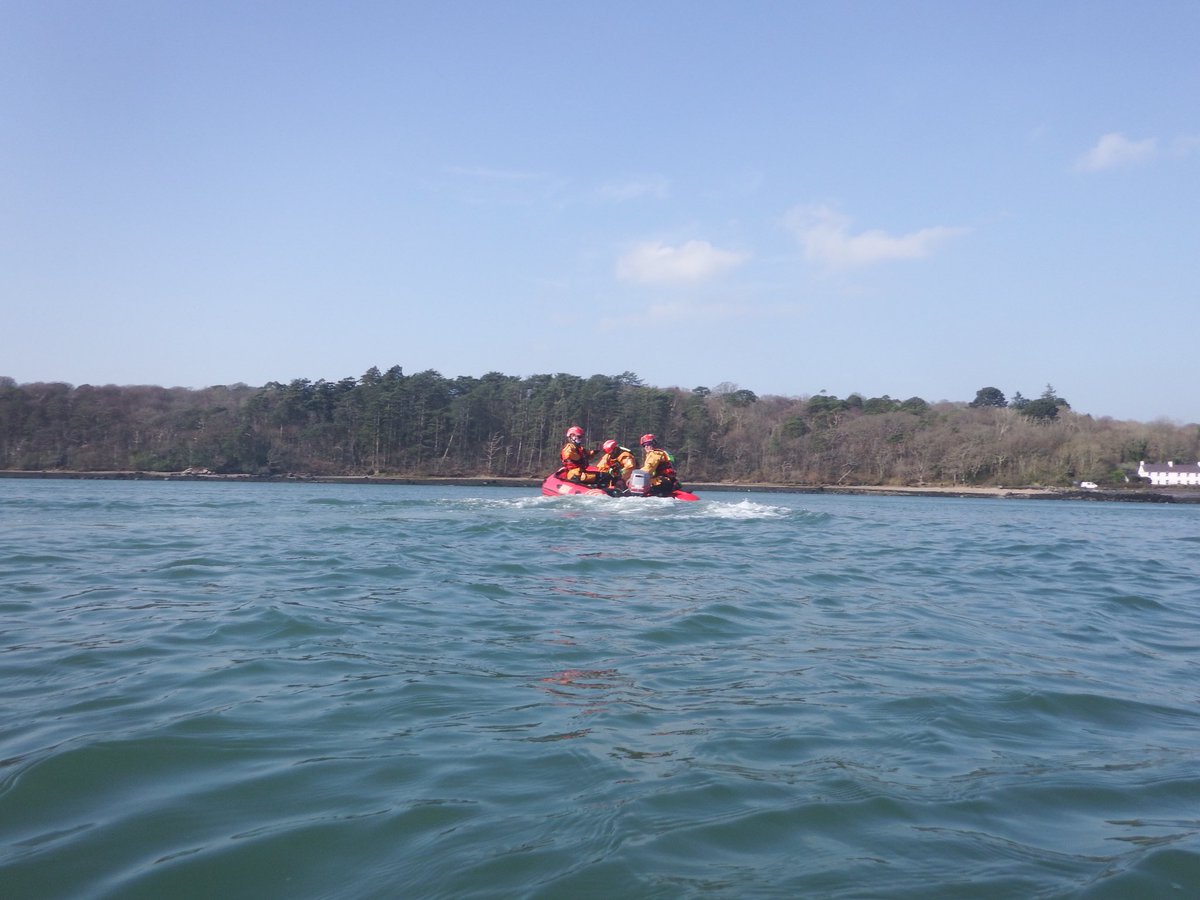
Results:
<point x="575" y="458"/>
<point x="658" y="463"/>
<point x="618" y="462"/>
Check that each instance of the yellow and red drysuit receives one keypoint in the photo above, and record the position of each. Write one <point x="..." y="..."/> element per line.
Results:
<point x="618" y="464"/>
<point x="575" y="459"/>
<point x="657" y="462"/>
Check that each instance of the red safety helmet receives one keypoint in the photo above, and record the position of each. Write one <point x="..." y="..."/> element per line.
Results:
<point x="610" y="446"/>
<point x="648" y="439"/>
<point x="575" y="432"/>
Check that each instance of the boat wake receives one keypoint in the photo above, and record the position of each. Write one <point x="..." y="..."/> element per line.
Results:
<point x="576" y="504"/>
<point x="747" y="509"/>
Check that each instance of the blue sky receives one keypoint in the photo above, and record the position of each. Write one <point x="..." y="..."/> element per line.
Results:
<point x="902" y="198"/>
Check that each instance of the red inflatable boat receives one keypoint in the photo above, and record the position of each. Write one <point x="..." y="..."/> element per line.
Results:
<point x="554" y="486"/>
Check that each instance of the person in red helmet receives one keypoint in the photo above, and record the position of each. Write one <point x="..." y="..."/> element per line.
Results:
<point x="575" y="458"/>
<point x="659" y="464"/>
<point x="618" y="462"/>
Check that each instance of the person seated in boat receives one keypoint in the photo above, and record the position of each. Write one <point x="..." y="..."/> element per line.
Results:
<point x="575" y="458"/>
<point x="661" y="467"/>
<point x="618" y="462"/>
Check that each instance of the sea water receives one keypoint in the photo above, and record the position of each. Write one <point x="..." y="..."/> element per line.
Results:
<point x="303" y="690"/>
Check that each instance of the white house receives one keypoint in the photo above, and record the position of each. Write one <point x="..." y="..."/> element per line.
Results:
<point x="1170" y="474"/>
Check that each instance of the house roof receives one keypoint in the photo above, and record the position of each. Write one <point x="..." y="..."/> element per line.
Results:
<point x="1170" y="467"/>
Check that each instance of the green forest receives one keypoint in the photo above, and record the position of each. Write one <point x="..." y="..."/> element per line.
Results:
<point x="425" y="424"/>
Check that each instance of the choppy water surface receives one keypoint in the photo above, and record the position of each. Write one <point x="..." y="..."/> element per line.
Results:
<point x="257" y="690"/>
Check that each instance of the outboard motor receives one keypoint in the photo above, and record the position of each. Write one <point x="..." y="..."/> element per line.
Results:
<point x="639" y="483"/>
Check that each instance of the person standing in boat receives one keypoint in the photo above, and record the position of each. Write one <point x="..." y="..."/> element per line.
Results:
<point x="617" y="462"/>
<point x="575" y="458"/>
<point x="659" y="464"/>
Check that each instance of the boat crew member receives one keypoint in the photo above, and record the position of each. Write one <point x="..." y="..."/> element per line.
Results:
<point x="575" y="458"/>
<point x="618" y="462"/>
<point x="658" y="463"/>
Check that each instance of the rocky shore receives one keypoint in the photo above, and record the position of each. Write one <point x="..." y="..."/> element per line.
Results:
<point x="1138" y="494"/>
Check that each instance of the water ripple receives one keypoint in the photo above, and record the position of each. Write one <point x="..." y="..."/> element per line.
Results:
<point x="356" y="690"/>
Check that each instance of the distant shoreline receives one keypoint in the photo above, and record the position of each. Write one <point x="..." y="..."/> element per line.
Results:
<point x="1128" y="495"/>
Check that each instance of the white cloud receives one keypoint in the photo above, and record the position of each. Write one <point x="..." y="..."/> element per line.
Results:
<point x="1114" y="149"/>
<point x="653" y="262"/>
<point x="825" y="236"/>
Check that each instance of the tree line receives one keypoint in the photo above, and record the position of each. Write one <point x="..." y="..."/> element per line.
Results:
<point x="425" y="424"/>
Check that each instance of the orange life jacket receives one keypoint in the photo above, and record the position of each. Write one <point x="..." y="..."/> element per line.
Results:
<point x="658" y="463"/>
<point x="621" y="463"/>
<point x="574" y="456"/>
